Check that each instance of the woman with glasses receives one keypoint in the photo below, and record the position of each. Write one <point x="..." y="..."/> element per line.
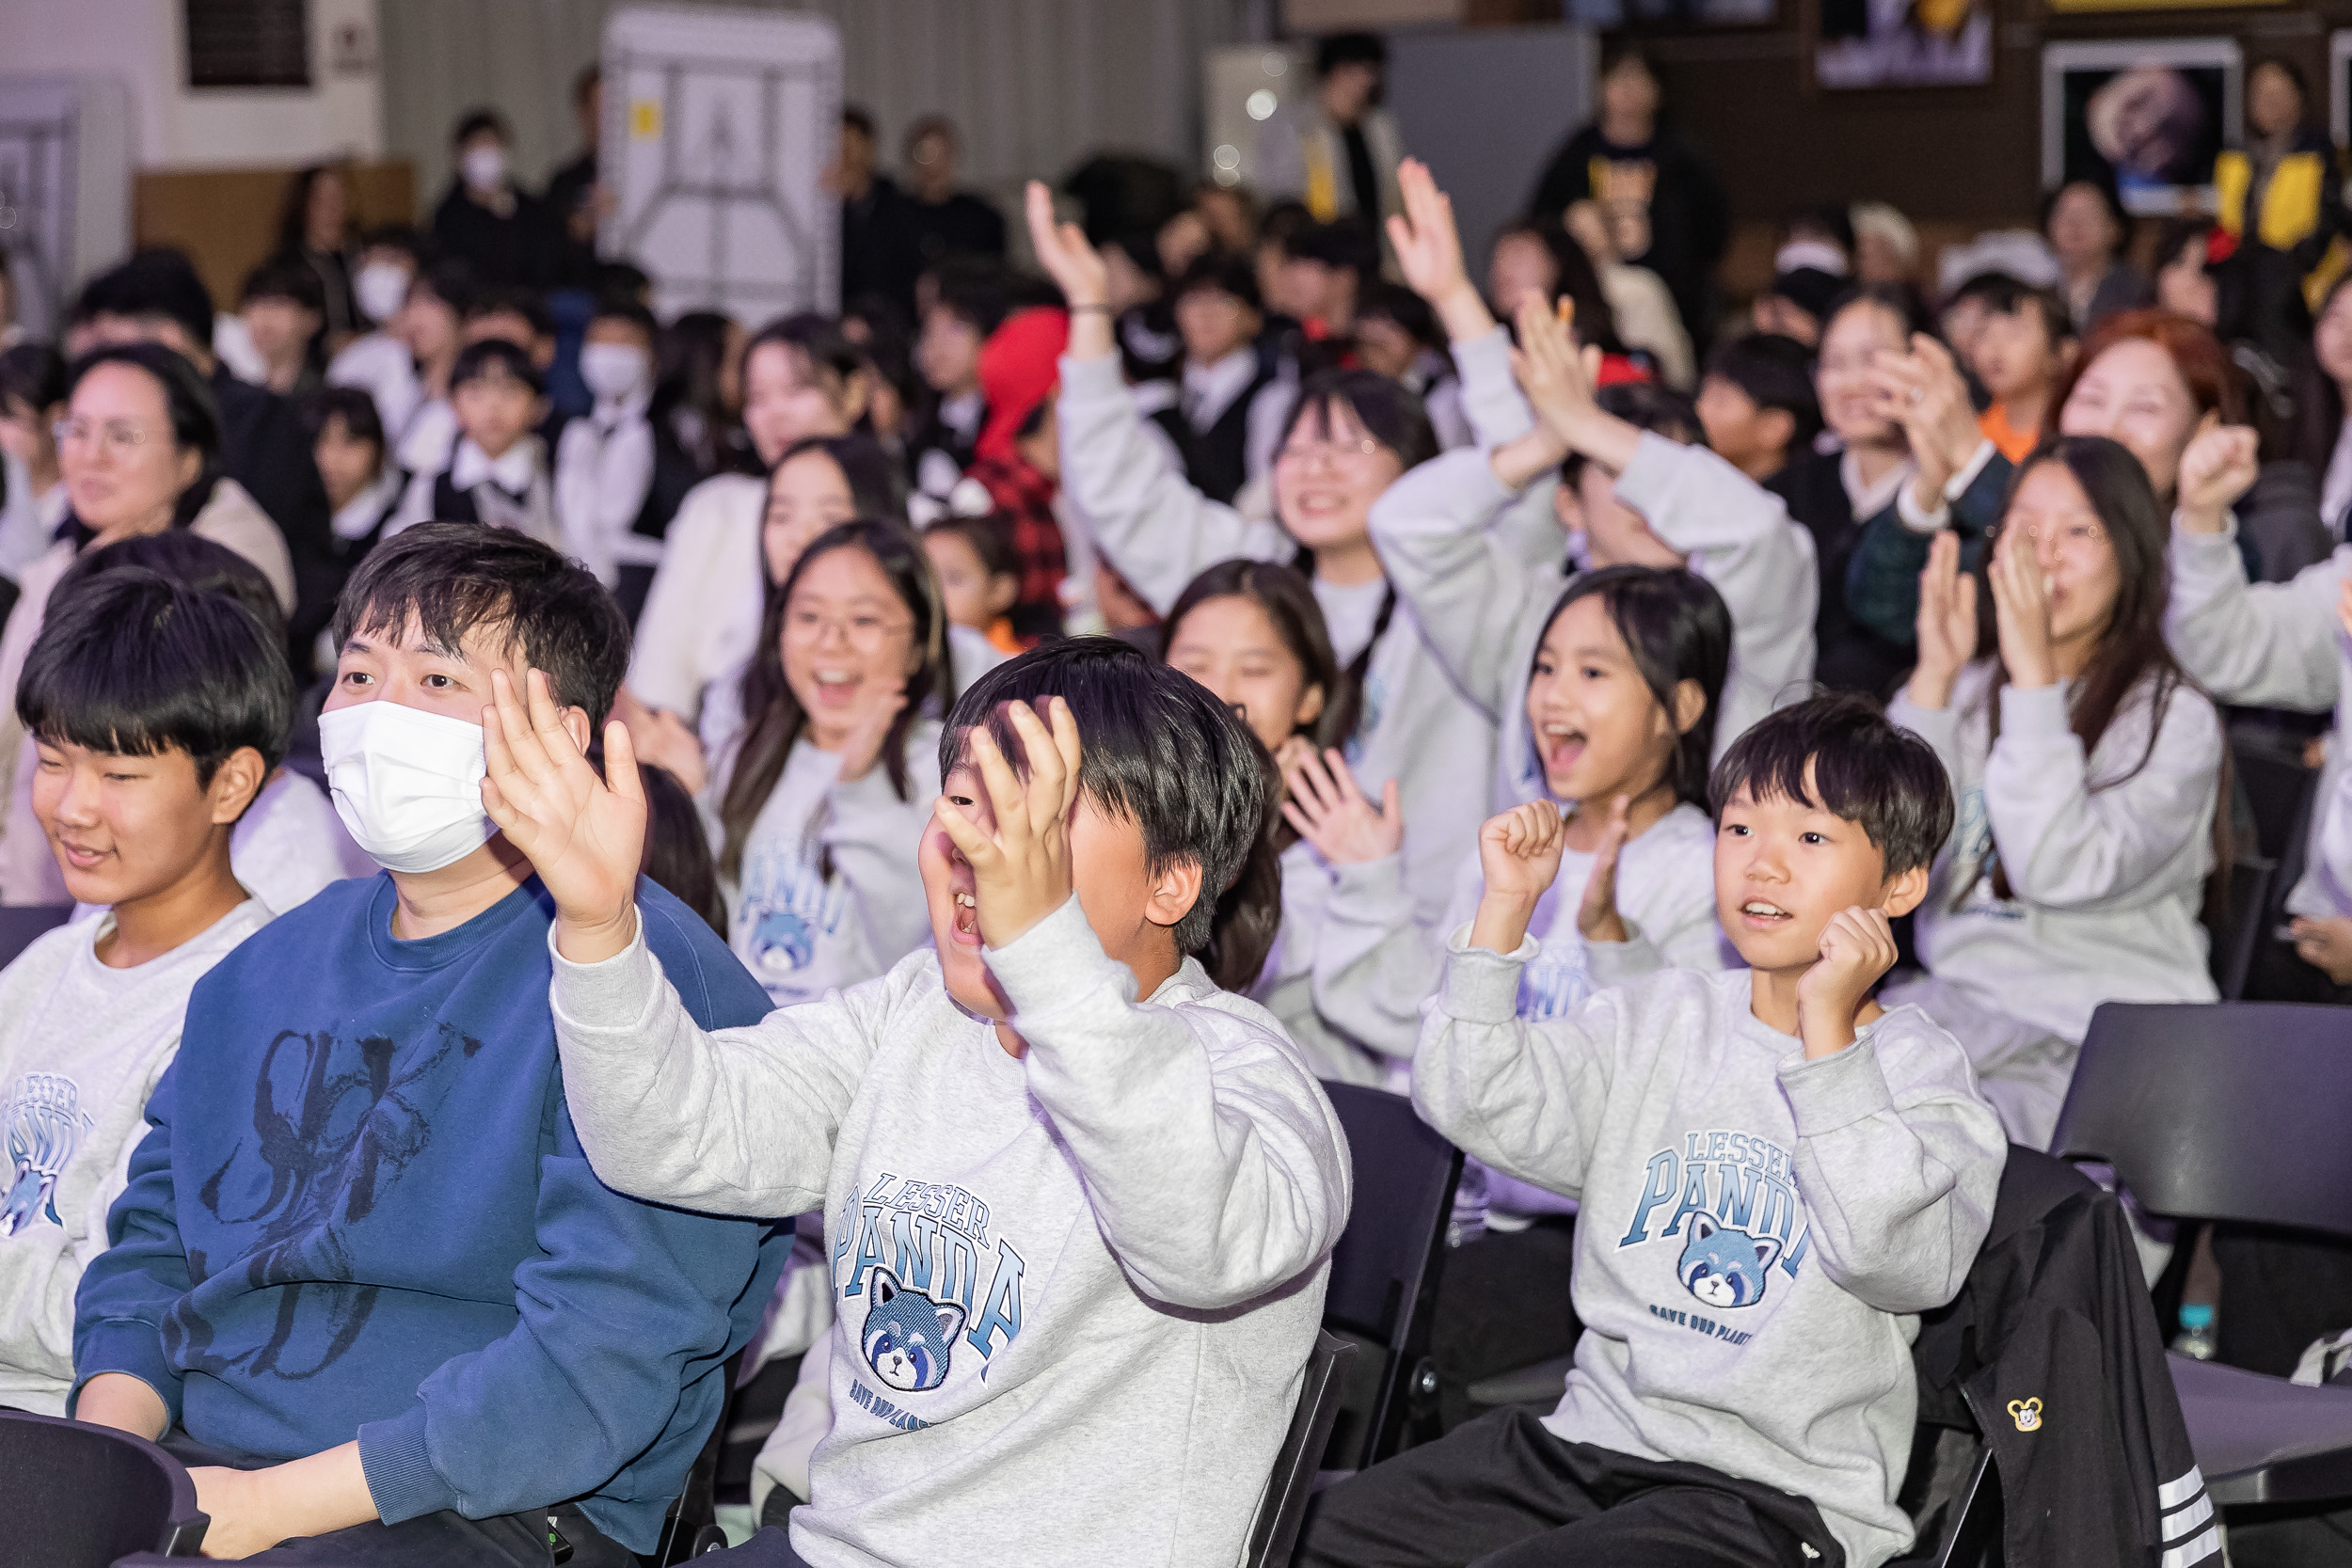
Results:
<point x="139" y="450"/>
<point x="1397" y="714"/>
<point x="2088" y="770"/>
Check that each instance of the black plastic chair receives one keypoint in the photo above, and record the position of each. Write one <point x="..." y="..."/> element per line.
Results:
<point x="79" y="1497"/>
<point x="2230" y="1112"/>
<point x="1282" y="1506"/>
<point x="2252" y="883"/>
<point x="21" y="924"/>
<point x="1384" y="1270"/>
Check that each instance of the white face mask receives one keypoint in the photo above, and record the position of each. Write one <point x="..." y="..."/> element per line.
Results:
<point x="406" y="782"/>
<point x="484" y="167"/>
<point x="381" y="288"/>
<point x="614" y="369"/>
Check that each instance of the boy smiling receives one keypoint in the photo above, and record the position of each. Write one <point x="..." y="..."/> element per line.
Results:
<point x="1775" y="1175"/>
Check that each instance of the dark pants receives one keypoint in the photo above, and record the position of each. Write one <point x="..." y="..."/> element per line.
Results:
<point x="1504" y="1493"/>
<point x="447" y="1538"/>
<point x="1502" y="1303"/>
<point x="770" y="1548"/>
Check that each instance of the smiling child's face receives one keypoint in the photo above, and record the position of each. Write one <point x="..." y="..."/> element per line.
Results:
<point x="1784" y="867"/>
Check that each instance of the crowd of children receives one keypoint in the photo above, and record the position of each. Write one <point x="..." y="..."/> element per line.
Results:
<point x="613" y="855"/>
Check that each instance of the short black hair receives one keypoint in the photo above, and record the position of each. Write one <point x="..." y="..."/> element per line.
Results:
<point x="974" y="288"/>
<point x="404" y="237"/>
<point x="474" y="121"/>
<point x="451" y="282"/>
<point x="453" y="578"/>
<point x="626" y="307"/>
<point x="591" y="77"/>
<point x="1349" y="49"/>
<point x="493" y="356"/>
<point x="1386" y="301"/>
<point x="1158" y="751"/>
<point x="1342" y="243"/>
<point x="354" y="405"/>
<point x="856" y="117"/>
<point x="158" y="281"/>
<point x="284" y="279"/>
<point x="32" y="374"/>
<point x="134" y="664"/>
<point x="187" y="400"/>
<point x="2101" y="186"/>
<point x="1865" y="770"/>
<point x="1218" y="273"/>
<point x="1644" y="405"/>
<point x="1775" y="373"/>
<point x="191" y="561"/>
<point x="505" y="301"/>
<point x="2004" y="295"/>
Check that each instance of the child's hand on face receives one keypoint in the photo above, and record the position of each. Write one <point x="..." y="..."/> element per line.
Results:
<point x="1020" y="868"/>
<point x="2221" y="465"/>
<point x="2020" y="610"/>
<point x="1948" y="624"/>
<point x="584" y="835"/>
<point x="1520" y="854"/>
<point x="861" y="746"/>
<point x="1597" y="917"/>
<point x="1857" y="947"/>
<point x="1329" y="810"/>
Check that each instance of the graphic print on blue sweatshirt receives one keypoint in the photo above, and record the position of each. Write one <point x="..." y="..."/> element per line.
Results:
<point x="787" y="905"/>
<point x="1723" y="1208"/>
<point x="907" y="1261"/>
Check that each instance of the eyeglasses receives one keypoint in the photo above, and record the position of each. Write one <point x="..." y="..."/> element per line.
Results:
<point x="864" y="633"/>
<point x="1305" y="452"/>
<point x="2069" y="534"/>
<point x="115" y="438"/>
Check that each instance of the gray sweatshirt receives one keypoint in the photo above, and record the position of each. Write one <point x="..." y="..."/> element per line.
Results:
<point x="1160" y="534"/>
<point x="1073" y="1293"/>
<point x="828" y="893"/>
<point x="1330" y="954"/>
<point x="1454" y="540"/>
<point x="1759" y="1232"/>
<point x="2269" y="644"/>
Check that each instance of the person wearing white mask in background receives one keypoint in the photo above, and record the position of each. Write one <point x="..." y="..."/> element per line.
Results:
<point x="486" y="220"/>
<point x="378" y="361"/>
<point x="620" y="474"/>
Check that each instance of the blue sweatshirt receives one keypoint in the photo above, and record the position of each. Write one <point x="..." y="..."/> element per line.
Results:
<point x="362" y="1209"/>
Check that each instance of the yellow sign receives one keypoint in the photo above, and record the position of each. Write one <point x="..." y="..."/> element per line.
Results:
<point x="644" y="118"/>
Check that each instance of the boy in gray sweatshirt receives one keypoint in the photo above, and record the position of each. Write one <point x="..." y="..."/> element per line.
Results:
<point x="1777" y="1175"/>
<point x="1079" y="1204"/>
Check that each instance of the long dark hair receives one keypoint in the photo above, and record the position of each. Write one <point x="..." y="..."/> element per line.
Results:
<point x="773" y="718"/>
<point x="2318" y="400"/>
<point x="294" y="217"/>
<point x="690" y="357"/>
<point x="1676" y="628"/>
<point x="1288" y="600"/>
<point x="188" y="404"/>
<point x="1250" y="913"/>
<point x="1395" y="419"/>
<point x="865" y="467"/>
<point x="1573" y="279"/>
<point x="2132" y="648"/>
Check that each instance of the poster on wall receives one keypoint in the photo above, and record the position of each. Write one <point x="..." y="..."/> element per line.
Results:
<point x="2153" y="115"/>
<point x="1901" y="44"/>
<point x="717" y="129"/>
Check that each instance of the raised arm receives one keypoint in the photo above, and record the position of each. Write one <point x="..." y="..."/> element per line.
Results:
<point x="1153" y="526"/>
<point x="2269" y="645"/>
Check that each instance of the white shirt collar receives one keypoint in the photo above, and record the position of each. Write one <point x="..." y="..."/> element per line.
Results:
<point x="512" y="473"/>
<point x="1210" y="389"/>
<point x="611" y="413"/>
<point x="357" y="517"/>
<point x="1869" y="501"/>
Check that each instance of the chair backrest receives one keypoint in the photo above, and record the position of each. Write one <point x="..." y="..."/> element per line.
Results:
<point x="1977" y="1527"/>
<point x="79" y="1496"/>
<point x="2236" y="942"/>
<point x="2218" y="1111"/>
<point x="21" y="924"/>
<point x="1384" y="1269"/>
<point x="2278" y="789"/>
<point x="1282" y="1506"/>
<point x="697" y="1507"/>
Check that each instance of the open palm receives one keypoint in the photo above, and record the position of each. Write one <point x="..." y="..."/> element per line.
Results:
<point x="585" y="837"/>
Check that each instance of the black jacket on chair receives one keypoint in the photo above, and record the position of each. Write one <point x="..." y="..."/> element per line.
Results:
<point x="2052" y="1352"/>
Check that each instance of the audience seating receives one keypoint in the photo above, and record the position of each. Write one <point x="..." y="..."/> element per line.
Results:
<point x="690" y="1528"/>
<point x="79" y="1496"/>
<point x="21" y="924"/>
<point x="2230" y="1112"/>
<point x="2280" y="793"/>
<point x="1384" y="1270"/>
<point x="1282" y="1507"/>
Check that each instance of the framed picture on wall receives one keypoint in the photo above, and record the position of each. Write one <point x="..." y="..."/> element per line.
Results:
<point x="2152" y="113"/>
<point x="1901" y="43"/>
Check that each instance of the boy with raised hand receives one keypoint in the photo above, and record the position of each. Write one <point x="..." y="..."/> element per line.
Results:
<point x="1078" y="1202"/>
<point x="156" y="713"/>
<point x="362" y="1277"/>
<point x="1775" y="1176"/>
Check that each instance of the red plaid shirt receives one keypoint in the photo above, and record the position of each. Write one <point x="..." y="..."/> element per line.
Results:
<point x="1024" y="514"/>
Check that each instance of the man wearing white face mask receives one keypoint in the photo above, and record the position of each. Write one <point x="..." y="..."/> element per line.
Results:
<point x="421" y="1326"/>
<point x="487" y="220"/>
<point x="620" y="473"/>
<point x="375" y="361"/>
